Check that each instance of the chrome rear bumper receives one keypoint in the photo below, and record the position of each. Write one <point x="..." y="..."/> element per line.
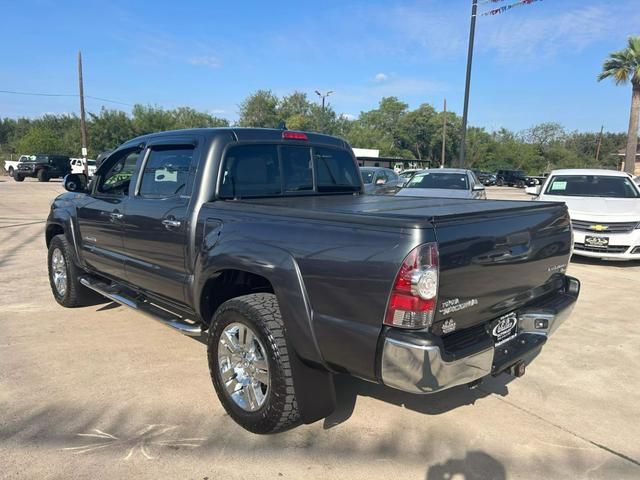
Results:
<point x="414" y="361"/>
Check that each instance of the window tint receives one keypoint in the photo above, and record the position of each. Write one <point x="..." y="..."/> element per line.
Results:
<point x="250" y="171"/>
<point x="592" y="186"/>
<point x="335" y="170"/>
<point x="297" y="169"/>
<point x="367" y="175"/>
<point x="452" y="181"/>
<point x="166" y="172"/>
<point x="116" y="180"/>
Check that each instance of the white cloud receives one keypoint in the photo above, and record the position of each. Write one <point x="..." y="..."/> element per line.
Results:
<point x="380" y="77"/>
<point x="205" y="61"/>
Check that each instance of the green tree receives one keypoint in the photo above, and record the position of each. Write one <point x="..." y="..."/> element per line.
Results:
<point x="260" y="109"/>
<point x="40" y="139"/>
<point x="624" y="67"/>
<point x="108" y="129"/>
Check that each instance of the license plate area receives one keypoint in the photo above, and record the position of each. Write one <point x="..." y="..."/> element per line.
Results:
<point x="504" y="328"/>
<point x="596" y="242"/>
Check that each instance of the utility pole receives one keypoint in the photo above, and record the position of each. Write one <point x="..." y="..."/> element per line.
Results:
<point x="83" y="120"/>
<point x="599" y="144"/>
<point x="323" y="96"/>
<point x="472" y="33"/>
<point x="444" y="133"/>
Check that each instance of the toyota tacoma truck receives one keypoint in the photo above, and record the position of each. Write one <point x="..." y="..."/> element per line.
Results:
<point x="263" y="241"/>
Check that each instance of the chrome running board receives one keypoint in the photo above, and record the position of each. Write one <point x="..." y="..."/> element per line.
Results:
<point x="140" y="304"/>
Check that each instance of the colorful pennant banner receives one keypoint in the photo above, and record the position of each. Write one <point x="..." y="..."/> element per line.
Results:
<point x="497" y="11"/>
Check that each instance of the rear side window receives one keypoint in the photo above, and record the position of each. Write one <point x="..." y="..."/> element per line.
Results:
<point x="166" y="172"/>
<point x="335" y="170"/>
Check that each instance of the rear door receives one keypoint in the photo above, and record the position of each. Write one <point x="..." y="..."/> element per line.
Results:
<point x="156" y="217"/>
<point x="100" y="217"/>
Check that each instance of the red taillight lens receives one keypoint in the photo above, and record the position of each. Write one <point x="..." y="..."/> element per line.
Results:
<point x="289" y="135"/>
<point x="412" y="303"/>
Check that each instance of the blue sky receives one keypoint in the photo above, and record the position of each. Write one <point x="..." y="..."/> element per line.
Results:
<point x="532" y="64"/>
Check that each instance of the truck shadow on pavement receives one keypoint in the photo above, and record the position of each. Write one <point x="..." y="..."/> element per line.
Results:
<point x="476" y="465"/>
<point x="349" y="388"/>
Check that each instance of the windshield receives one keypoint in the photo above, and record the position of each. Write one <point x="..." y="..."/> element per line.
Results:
<point x="367" y="175"/>
<point x="91" y="162"/>
<point x="592" y="186"/>
<point x="448" y="181"/>
<point x="406" y="174"/>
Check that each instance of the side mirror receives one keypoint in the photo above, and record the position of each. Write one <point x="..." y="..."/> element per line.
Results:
<point x="535" y="191"/>
<point x="478" y="187"/>
<point x="75" y="182"/>
<point x="381" y="181"/>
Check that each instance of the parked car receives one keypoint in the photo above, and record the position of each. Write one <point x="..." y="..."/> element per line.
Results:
<point x="12" y="165"/>
<point x="444" y="182"/>
<point x="77" y="166"/>
<point x="605" y="210"/>
<point x="406" y="175"/>
<point x="514" y="178"/>
<point x="637" y="180"/>
<point x="264" y="239"/>
<point x="43" y="167"/>
<point x="486" y="178"/>
<point x="380" y="181"/>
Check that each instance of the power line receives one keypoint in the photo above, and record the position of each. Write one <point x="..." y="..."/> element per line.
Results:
<point x="37" y="94"/>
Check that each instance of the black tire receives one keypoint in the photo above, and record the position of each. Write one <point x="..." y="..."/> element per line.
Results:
<point x="520" y="184"/>
<point x="18" y="178"/>
<point x="500" y="182"/>
<point x="75" y="294"/>
<point x="43" y="175"/>
<point x="260" y="312"/>
<point x="10" y="171"/>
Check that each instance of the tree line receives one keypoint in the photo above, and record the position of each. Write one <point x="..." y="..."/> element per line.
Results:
<point x="392" y="127"/>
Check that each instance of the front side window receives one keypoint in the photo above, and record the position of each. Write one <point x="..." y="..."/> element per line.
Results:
<point x="592" y="186"/>
<point x="118" y="176"/>
<point x="367" y="176"/>
<point x="166" y="172"/>
<point x="448" y="181"/>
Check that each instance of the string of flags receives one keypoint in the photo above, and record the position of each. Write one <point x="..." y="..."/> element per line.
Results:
<point x="497" y="11"/>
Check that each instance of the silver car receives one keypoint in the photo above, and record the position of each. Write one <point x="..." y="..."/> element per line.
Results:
<point x="380" y="181"/>
<point x="445" y="182"/>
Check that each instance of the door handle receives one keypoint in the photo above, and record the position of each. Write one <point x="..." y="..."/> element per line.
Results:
<point x="169" y="223"/>
<point x="116" y="216"/>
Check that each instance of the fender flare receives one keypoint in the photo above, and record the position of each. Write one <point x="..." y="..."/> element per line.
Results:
<point x="313" y="380"/>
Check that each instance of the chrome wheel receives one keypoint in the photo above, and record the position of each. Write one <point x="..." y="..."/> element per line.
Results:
<point x="59" y="272"/>
<point x="244" y="370"/>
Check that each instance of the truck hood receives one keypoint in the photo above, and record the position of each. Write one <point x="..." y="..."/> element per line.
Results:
<point x="600" y="208"/>
<point x="434" y="192"/>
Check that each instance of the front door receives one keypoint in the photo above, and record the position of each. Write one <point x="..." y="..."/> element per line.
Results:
<point x="100" y="217"/>
<point x="156" y="219"/>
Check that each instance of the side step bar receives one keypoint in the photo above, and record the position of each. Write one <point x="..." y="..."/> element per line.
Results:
<point x="143" y="306"/>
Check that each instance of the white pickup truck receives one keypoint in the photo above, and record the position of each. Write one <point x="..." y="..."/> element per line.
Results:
<point x="77" y="166"/>
<point x="12" y="165"/>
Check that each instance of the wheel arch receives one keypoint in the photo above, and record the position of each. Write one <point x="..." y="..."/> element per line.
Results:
<point x="272" y="270"/>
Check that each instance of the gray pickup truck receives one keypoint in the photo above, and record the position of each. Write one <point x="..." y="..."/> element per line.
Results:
<point x="264" y="240"/>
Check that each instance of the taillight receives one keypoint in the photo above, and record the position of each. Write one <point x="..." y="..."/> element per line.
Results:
<point x="412" y="303"/>
<point x="289" y="135"/>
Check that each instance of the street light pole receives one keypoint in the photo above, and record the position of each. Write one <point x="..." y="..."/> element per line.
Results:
<point x="472" y="33"/>
<point x="323" y="96"/>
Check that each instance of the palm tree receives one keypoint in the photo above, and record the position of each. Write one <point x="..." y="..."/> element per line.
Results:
<point x="624" y="66"/>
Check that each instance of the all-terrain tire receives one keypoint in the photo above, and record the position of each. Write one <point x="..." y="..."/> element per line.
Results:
<point x="43" y="175"/>
<point x="260" y="312"/>
<point x="500" y="182"/>
<point x="75" y="294"/>
<point x="18" y="178"/>
<point x="10" y="172"/>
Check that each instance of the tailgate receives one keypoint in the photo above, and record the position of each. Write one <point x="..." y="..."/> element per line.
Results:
<point x="494" y="263"/>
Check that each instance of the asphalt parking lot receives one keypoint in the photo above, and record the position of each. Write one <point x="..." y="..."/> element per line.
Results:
<point x="102" y="392"/>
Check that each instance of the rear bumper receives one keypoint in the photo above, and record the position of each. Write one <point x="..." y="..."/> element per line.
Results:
<point x="417" y="362"/>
